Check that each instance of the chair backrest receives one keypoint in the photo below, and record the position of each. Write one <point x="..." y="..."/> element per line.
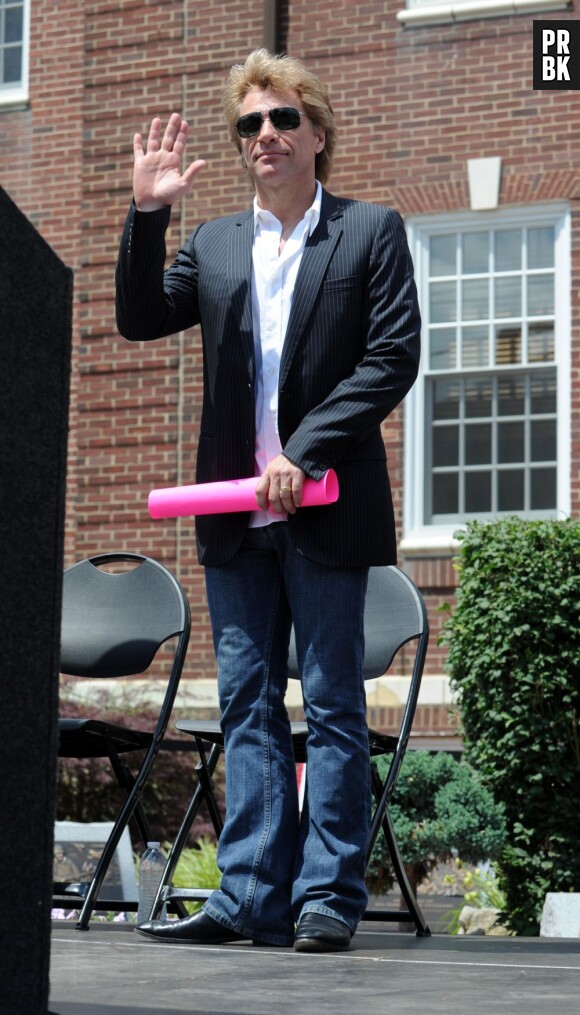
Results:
<point x="113" y="623"/>
<point x="394" y="614"/>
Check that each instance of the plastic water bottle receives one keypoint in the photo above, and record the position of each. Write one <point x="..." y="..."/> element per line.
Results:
<point x="150" y="873"/>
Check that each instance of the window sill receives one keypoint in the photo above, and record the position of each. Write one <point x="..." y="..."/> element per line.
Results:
<point x="427" y="544"/>
<point x="465" y="10"/>
<point x="11" y="102"/>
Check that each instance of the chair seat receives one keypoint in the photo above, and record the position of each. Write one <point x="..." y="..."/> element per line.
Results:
<point x="210" y="731"/>
<point x="89" y="737"/>
<point x="206" y="729"/>
<point x="382" y="743"/>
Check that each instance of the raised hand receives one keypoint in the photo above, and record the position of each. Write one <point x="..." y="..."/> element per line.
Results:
<point x="157" y="177"/>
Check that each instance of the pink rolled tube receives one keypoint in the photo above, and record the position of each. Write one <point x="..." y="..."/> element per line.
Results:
<point x="231" y="495"/>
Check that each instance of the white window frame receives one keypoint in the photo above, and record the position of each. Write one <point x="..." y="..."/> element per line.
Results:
<point x="419" y="534"/>
<point x="432" y="12"/>
<point x="18" y="94"/>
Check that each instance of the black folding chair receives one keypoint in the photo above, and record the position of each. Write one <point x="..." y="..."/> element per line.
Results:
<point x="113" y="624"/>
<point x="395" y="615"/>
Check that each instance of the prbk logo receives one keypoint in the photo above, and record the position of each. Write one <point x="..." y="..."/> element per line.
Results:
<point x="556" y="55"/>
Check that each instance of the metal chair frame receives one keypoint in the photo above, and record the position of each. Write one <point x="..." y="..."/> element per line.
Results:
<point x="113" y="624"/>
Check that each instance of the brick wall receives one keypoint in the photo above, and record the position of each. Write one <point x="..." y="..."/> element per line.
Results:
<point x="413" y="105"/>
<point x="41" y="159"/>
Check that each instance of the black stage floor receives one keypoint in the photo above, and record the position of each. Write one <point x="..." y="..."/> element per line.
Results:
<point x="113" y="971"/>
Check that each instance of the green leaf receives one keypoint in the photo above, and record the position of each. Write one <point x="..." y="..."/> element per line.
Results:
<point x="513" y="641"/>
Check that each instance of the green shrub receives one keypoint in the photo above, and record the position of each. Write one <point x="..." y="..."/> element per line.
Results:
<point x="514" y="661"/>
<point x="439" y="809"/>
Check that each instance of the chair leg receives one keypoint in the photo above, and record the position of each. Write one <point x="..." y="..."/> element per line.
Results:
<point x="382" y="820"/>
<point x="377" y="789"/>
<point x="204" y="770"/>
<point x="126" y="781"/>
<point x="204" y="773"/>
<point x="409" y="896"/>
<point x="99" y="875"/>
<point x="130" y="805"/>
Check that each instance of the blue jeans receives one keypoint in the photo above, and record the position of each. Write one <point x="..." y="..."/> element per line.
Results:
<point x="274" y="865"/>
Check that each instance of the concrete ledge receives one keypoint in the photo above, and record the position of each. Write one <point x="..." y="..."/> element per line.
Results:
<point x="561" y="915"/>
<point x="381" y="692"/>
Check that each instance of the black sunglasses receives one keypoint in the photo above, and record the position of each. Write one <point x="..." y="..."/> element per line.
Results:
<point x="282" y="117"/>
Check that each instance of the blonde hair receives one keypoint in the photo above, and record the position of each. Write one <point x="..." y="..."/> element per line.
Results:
<point x="282" y="74"/>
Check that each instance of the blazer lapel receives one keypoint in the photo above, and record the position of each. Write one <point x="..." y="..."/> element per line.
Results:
<point x="317" y="253"/>
<point x="239" y="272"/>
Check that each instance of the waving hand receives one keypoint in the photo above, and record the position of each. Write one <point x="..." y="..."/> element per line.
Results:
<point x="157" y="177"/>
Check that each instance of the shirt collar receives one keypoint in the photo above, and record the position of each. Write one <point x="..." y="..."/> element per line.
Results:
<point x="312" y="215"/>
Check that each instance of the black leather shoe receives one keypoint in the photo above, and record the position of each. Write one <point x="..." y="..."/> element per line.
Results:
<point x="318" y="933"/>
<point x="199" y="928"/>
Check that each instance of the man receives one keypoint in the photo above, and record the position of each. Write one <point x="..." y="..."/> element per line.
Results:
<point x="310" y="331"/>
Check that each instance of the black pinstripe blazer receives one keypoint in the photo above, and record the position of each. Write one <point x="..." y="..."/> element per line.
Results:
<point x="350" y="355"/>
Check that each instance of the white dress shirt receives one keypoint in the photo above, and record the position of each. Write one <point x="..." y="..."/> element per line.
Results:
<point x="273" y="279"/>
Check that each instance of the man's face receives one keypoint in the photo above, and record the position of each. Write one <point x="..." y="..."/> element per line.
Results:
<point x="274" y="157"/>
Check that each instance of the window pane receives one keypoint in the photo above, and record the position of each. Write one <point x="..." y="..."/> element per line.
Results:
<point x="478" y="444"/>
<point x="508" y="345"/>
<point x="544" y="440"/>
<point x="443" y="349"/>
<point x="12" y="65"/>
<point x="445" y="446"/>
<point x="477" y="491"/>
<point x="13" y="24"/>
<point x="475" y="253"/>
<point x="446" y="399"/>
<point x="475" y="296"/>
<point x="508" y="296"/>
<point x="478" y="398"/>
<point x="443" y="302"/>
<point x="508" y="250"/>
<point x="475" y="346"/>
<point x="541" y="247"/>
<point x="445" y="494"/>
<point x="510" y="490"/>
<point x="540" y="295"/>
<point x="543" y="393"/>
<point x="540" y="343"/>
<point x="543" y="489"/>
<point x="511" y="396"/>
<point x="442" y="255"/>
<point x="511" y="442"/>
